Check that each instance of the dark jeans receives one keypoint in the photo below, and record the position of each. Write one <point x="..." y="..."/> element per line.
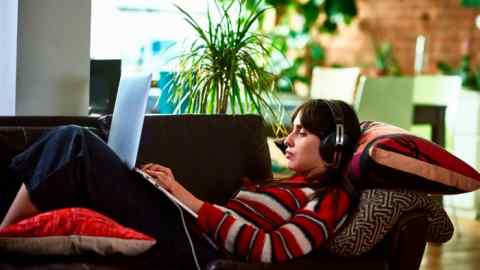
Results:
<point x="72" y="167"/>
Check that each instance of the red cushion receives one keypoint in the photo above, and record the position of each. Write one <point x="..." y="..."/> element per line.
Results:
<point x="72" y="231"/>
<point x="390" y="157"/>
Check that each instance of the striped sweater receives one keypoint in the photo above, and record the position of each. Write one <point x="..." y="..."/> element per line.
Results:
<point x="274" y="224"/>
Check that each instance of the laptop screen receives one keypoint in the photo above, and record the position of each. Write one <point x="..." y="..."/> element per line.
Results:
<point x="128" y="115"/>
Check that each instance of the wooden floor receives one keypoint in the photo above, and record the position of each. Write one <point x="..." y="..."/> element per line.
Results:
<point x="462" y="252"/>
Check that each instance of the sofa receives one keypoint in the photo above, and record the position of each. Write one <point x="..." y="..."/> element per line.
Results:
<point x="210" y="154"/>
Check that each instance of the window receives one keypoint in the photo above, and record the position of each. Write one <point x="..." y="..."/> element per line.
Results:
<point x="146" y="35"/>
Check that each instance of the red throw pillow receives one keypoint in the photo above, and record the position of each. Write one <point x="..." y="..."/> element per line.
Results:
<point x="390" y="157"/>
<point x="72" y="231"/>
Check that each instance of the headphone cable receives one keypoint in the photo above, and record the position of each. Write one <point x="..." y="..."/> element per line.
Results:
<point x="194" y="254"/>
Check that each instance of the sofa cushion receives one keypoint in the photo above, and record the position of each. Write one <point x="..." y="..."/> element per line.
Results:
<point x="376" y="215"/>
<point x="72" y="231"/>
<point x="390" y="157"/>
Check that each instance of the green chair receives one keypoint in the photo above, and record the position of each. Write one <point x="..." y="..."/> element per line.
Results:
<point x="438" y="90"/>
<point x="386" y="99"/>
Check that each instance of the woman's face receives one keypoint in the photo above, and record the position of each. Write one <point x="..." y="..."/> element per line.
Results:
<point x="302" y="152"/>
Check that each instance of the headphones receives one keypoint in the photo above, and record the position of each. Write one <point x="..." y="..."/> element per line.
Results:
<point x="332" y="147"/>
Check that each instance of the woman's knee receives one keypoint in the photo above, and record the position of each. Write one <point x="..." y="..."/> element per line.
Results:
<point x="70" y="130"/>
<point x="72" y="133"/>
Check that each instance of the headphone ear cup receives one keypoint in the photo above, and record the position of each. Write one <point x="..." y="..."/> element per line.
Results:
<point x="348" y="145"/>
<point x="327" y="147"/>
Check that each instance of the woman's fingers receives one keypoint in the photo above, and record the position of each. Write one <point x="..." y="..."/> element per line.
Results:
<point x="158" y="174"/>
<point x="160" y="168"/>
<point x="162" y="178"/>
<point x="147" y="166"/>
<point x="157" y="167"/>
<point x="162" y="174"/>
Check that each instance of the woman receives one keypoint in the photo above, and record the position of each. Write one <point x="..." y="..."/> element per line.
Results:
<point x="274" y="222"/>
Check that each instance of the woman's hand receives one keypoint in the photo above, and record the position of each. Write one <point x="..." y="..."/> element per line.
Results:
<point x="164" y="176"/>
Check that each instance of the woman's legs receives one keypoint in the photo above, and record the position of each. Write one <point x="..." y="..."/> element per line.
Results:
<point x="21" y="208"/>
<point x="72" y="167"/>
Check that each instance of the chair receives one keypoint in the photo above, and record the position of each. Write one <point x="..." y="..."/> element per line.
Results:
<point x="335" y="83"/>
<point x="436" y="89"/>
<point x="388" y="100"/>
<point x="104" y="79"/>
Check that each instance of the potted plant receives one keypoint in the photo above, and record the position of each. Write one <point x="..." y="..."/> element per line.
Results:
<point x="295" y="26"/>
<point x="226" y="67"/>
<point x="386" y="64"/>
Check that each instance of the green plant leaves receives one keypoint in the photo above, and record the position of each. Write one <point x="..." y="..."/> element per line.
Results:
<point x="317" y="52"/>
<point x="225" y="69"/>
<point x="278" y="2"/>
<point x="286" y="38"/>
<point x="310" y="12"/>
<point x="385" y="60"/>
<point x="470" y="75"/>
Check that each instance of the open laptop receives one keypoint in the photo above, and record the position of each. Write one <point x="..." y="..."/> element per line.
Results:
<point x="127" y="124"/>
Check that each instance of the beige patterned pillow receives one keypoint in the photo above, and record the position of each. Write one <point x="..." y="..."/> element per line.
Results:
<point x="378" y="212"/>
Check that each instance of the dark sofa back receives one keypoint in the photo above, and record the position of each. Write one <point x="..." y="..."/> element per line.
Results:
<point x="209" y="154"/>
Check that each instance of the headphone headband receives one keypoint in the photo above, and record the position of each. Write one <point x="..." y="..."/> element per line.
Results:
<point x="337" y="114"/>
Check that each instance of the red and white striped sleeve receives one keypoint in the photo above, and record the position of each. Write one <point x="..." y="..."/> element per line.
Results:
<point x="307" y="229"/>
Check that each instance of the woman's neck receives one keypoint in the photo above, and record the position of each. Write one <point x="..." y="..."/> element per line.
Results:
<point x="314" y="173"/>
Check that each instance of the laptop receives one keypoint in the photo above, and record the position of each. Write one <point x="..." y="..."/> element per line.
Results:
<point x="127" y="124"/>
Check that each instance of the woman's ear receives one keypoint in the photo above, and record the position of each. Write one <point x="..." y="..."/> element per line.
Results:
<point x="280" y="143"/>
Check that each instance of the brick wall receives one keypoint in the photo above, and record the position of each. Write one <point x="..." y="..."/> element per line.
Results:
<point x="449" y="28"/>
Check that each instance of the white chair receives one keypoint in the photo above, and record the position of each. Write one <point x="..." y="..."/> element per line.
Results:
<point x="335" y="83"/>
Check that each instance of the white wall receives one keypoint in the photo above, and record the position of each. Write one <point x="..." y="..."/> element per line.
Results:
<point x="466" y="140"/>
<point x="53" y="57"/>
<point x="8" y="55"/>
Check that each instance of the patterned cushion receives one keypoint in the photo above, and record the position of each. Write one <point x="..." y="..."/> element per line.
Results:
<point x="390" y="157"/>
<point x="378" y="212"/>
